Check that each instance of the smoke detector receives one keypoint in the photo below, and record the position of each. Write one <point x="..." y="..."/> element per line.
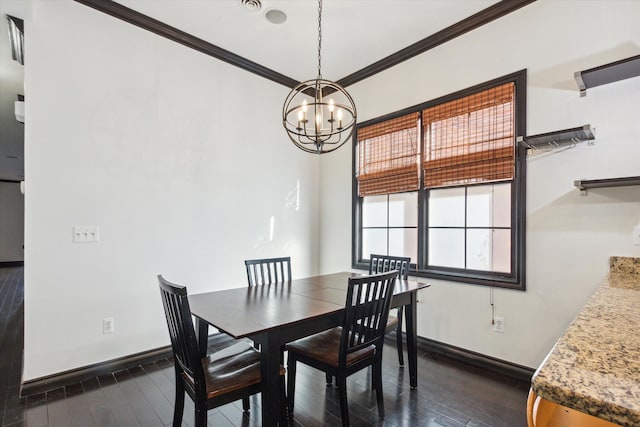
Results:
<point x="275" y="16"/>
<point x="252" y="5"/>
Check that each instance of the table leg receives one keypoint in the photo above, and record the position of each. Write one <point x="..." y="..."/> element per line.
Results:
<point x="412" y="339"/>
<point x="202" y="334"/>
<point x="270" y="370"/>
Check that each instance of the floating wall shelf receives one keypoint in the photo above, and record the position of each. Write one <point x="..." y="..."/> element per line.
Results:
<point x="608" y="73"/>
<point x="559" y="138"/>
<point x="584" y="184"/>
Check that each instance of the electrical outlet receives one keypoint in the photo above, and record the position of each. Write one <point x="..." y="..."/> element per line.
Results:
<point x="86" y="234"/>
<point x="498" y="324"/>
<point x="107" y="325"/>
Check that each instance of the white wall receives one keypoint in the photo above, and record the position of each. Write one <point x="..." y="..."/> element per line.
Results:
<point x="11" y="222"/>
<point x="569" y="237"/>
<point x="181" y="161"/>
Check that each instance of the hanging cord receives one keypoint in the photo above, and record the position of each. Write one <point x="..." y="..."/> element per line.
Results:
<point x="493" y="309"/>
<point x="319" y="37"/>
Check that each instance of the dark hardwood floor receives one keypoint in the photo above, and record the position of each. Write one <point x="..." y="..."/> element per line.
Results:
<point x="448" y="394"/>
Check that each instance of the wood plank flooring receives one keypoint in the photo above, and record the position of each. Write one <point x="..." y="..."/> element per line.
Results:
<point x="448" y="394"/>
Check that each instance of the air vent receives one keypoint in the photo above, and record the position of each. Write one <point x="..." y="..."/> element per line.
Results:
<point x="252" y="5"/>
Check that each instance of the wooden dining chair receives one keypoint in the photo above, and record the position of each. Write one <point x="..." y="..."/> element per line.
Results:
<point x="268" y="270"/>
<point x="381" y="264"/>
<point x="354" y="345"/>
<point x="230" y="374"/>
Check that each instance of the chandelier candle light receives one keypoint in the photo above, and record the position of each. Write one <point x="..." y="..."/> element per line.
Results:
<point x="313" y="124"/>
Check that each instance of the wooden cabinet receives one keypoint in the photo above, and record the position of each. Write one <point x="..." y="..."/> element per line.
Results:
<point x="543" y="413"/>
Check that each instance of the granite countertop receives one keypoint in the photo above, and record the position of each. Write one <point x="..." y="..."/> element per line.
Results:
<point x="595" y="366"/>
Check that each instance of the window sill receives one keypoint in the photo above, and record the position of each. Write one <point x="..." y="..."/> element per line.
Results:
<point x="498" y="281"/>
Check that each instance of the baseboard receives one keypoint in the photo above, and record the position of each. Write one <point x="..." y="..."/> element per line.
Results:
<point x="492" y="364"/>
<point x="11" y="264"/>
<point x="74" y="376"/>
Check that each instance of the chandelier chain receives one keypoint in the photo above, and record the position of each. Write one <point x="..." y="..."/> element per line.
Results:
<point x="319" y="37"/>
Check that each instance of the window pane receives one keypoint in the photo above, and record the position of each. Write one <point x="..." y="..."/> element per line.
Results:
<point x="479" y="206"/>
<point x="404" y="242"/>
<point x="446" y="248"/>
<point x="489" y="205"/>
<point x="374" y="241"/>
<point x="479" y="249"/>
<point x="446" y="207"/>
<point x="489" y="250"/>
<point x="501" y="251"/>
<point x="502" y="205"/>
<point x="374" y="211"/>
<point x="403" y="210"/>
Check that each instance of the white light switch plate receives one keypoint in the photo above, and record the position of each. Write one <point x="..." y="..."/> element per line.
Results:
<point x="86" y="234"/>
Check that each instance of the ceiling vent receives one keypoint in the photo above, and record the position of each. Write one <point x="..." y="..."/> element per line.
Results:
<point x="252" y="5"/>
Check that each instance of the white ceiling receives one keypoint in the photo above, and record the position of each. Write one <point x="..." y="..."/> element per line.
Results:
<point x="355" y="34"/>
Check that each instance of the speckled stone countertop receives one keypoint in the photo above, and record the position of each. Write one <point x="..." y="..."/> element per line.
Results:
<point x="595" y="366"/>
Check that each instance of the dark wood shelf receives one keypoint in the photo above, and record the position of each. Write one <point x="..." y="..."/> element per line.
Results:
<point x="584" y="184"/>
<point x="608" y="73"/>
<point x="559" y="138"/>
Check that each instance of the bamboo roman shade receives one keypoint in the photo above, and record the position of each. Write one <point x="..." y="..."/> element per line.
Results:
<point x="388" y="156"/>
<point x="471" y="139"/>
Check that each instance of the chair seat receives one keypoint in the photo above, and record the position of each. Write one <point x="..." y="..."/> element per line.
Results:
<point x="233" y="368"/>
<point x="325" y="347"/>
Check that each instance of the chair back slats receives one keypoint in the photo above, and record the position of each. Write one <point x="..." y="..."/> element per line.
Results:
<point x="384" y="263"/>
<point x="268" y="270"/>
<point x="180" y="324"/>
<point x="366" y="312"/>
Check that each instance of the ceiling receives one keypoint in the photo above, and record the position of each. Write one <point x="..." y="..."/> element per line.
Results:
<point x="355" y="34"/>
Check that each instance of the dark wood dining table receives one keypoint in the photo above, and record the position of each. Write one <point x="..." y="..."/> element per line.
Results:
<point x="273" y="315"/>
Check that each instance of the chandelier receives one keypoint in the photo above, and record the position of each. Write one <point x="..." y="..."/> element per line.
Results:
<point x="319" y="115"/>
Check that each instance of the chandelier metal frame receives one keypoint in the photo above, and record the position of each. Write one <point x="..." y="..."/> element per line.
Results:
<point x="319" y="115"/>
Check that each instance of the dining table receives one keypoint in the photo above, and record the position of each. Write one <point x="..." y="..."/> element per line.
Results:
<point x="274" y="315"/>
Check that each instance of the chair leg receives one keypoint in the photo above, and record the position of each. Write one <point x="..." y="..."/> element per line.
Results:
<point x="178" y="407"/>
<point x="283" y="403"/>
<point x="245" y="404"/>
<point x="378" y="385"/>
<point x="399" y="337"/>
<point x="374" y="374"/>
<point x="341" y="383"/>
<point x="201" y="414"/>
<point x="329" y="378"/>
<point x="291" y="381"/>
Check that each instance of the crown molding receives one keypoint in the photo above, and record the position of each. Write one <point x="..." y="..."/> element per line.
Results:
<point x="138" y="19"/>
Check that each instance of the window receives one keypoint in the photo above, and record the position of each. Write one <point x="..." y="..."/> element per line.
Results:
<point x="444" y="183"/>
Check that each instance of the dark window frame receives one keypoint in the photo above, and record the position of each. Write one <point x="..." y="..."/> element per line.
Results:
<point x="516" y="279"/>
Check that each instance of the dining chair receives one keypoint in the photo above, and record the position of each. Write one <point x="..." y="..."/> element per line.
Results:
<point x="354" y="345"/>
<point x="268" y="270"/>
<point x="381" y="264"/>
<point x="224" y="376"/>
